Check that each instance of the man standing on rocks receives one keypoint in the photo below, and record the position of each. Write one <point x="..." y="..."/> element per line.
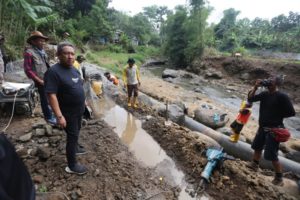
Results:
<point x="64" y="88"/>
<point x="274" y="107"/>
<point x="131" y="78"/>
<point x="36" y="63"/>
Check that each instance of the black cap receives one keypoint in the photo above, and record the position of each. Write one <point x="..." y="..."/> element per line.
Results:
<point x="80" y="58"/>
<point x="131" y="60"/>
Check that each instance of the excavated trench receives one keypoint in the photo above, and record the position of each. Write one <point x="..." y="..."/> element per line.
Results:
<point x="142" y="145"/>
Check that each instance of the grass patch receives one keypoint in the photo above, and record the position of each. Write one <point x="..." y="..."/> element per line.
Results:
<point x="115" y="62"/>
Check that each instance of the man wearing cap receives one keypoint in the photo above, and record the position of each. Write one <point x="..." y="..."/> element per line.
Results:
<point x="274" y="107"/>
<point x="36" y="63"/>
<point x="131" y="78"/>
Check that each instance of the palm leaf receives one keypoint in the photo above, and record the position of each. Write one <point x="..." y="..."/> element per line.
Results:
<point x="42" y="9"/>
<point x="28" y="9"/>
<point x="46" y="2"/>
<point x="44" y="20"/>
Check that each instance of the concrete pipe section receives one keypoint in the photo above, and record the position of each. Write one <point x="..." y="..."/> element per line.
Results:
<point x="240" y="149"/>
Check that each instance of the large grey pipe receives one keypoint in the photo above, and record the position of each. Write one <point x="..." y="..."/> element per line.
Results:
<point x="240" y="149"/>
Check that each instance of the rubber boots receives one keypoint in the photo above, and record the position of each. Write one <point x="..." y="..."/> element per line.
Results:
<point x="129" y="102"/>
<point x="135" y="105"/>
<point x="234" y="138"/>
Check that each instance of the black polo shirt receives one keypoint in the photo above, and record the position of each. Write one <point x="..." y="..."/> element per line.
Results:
<point x="274" y="107"/>
<point x="66" y="83"/>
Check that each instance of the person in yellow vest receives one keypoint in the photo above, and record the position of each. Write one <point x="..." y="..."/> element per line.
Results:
<point x="78" y="65"/>
<point x="131" y="78"/>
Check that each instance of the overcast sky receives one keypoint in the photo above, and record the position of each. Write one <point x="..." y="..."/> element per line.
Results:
<point x="249" y="8"/>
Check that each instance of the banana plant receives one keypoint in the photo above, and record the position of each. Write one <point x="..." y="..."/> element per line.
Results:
<point x="17" y="17"/>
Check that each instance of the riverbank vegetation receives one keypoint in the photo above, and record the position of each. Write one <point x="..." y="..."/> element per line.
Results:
<point x="115" y="61"/>
<point x="182" y="34"/>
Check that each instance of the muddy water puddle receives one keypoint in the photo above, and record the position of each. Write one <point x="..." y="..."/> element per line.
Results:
<point x="143" y="146"/>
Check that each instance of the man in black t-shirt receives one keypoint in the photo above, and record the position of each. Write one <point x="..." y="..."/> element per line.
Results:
<point x="274" y="107"/>
<point x="64" y="88"/>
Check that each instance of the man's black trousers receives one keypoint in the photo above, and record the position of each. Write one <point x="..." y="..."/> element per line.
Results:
<point x="72" y="130"/>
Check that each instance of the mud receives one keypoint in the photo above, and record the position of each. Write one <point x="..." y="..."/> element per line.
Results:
<point x="233" y="178"/>
<point x="144" y="147"/>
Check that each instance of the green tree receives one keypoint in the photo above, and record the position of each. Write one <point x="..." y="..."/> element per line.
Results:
<point x="225" y="31"/>
<point x="18" y="17"/>
<point x="227" y="23"/>
<point x="176" y="42"/>
<point x="195" y="29"/>
<point x="156" y="14"/>
<point x="138" y="26"/>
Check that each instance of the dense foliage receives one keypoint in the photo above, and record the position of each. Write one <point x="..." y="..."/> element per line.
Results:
<point x="282" y="33"/>
<point x="186" y="32"/>
<point x="183" y="33"/>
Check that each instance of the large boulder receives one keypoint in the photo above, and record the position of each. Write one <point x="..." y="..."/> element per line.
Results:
<point x="211" y="117"/>
<point x="15" y="73"/>
<point x="213" y="74"/>
<point x="175" y="113"/>
<point x="153" y="62"/>
<point x="170" y="73"/>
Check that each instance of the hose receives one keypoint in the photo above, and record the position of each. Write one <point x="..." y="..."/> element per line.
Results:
<point x="12" y="113"/>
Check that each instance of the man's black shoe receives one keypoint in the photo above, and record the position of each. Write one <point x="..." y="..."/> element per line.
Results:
<point x="76" y="169"/>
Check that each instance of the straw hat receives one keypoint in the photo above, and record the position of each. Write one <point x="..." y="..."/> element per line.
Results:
<point x="36" y="34"/>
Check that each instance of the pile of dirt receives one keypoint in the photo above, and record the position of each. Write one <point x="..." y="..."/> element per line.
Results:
<point x="234" y="179"/>
<point x="114" y="173"/>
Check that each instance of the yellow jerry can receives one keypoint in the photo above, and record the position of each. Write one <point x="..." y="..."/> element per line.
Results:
<point x="97" y="87"/>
